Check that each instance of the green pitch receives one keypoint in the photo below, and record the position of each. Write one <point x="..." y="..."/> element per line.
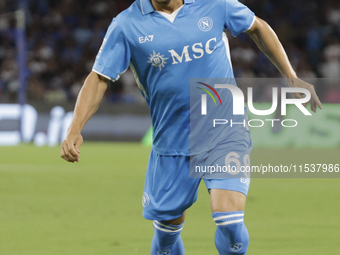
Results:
<point x="50" y="207"/>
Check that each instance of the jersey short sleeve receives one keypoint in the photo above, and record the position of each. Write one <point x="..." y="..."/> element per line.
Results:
<point x="114" y="55"/>
<point x="239" y="18"/>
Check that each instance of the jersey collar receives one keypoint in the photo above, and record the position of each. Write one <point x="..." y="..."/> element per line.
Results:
<point x="147" y="7"/>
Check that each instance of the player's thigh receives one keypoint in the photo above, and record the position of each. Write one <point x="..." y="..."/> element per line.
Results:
<point x="177" y="221"/>
<point x="227" y="200"/>
<point x="229" y="190"/>
<point x="168" y="189"/>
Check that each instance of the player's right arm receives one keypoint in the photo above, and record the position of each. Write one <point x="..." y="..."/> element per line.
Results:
<point x="112" y="60"/>
<point x="87" y="104"/>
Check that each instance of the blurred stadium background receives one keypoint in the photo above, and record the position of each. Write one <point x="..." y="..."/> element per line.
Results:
<point x="50" y="207"/>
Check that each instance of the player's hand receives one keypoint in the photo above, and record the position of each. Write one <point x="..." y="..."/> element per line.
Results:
<point x="70" y="147"/>
<point x="315" y="101"/>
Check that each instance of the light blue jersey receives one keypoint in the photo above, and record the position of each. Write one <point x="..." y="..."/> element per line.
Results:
<point x="165" y="55"/>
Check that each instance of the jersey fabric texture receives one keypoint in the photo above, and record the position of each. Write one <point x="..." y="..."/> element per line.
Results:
<point x="165" y="55"/>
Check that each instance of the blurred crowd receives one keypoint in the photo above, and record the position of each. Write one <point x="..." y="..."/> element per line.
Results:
<point x="310" y="33"/>
<point x="63" y="38"/>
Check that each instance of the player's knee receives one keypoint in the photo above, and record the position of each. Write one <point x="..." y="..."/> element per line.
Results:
<point x="165" y="230"/>
<point x="177" y="221"/>
<point x="231" y="234"/>
<point x="167" y="239"/>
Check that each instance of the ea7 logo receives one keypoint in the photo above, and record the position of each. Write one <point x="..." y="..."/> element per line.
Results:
<point x="144" y="39"/>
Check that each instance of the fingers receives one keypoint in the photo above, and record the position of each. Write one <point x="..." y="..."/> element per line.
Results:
<point x="313" y="105"/>
<point x="66" y="156"/>
<point x="315" y="101"/>
<point x="70" y="150"/>
<point x="72" y="153"/>
<point x="79" y="142"/>
<point x="298" y="95"/>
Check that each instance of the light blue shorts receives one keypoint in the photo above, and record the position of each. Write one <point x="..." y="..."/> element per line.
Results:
<point x="169" y="190"/>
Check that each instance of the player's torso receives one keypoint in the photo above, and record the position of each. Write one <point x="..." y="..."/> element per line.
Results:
<point x="167" y="54"/>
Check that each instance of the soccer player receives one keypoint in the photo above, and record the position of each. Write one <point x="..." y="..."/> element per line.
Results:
<point x="165" y="43"/>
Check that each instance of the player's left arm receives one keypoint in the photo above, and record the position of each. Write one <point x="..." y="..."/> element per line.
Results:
<point x="269" y="44"/>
